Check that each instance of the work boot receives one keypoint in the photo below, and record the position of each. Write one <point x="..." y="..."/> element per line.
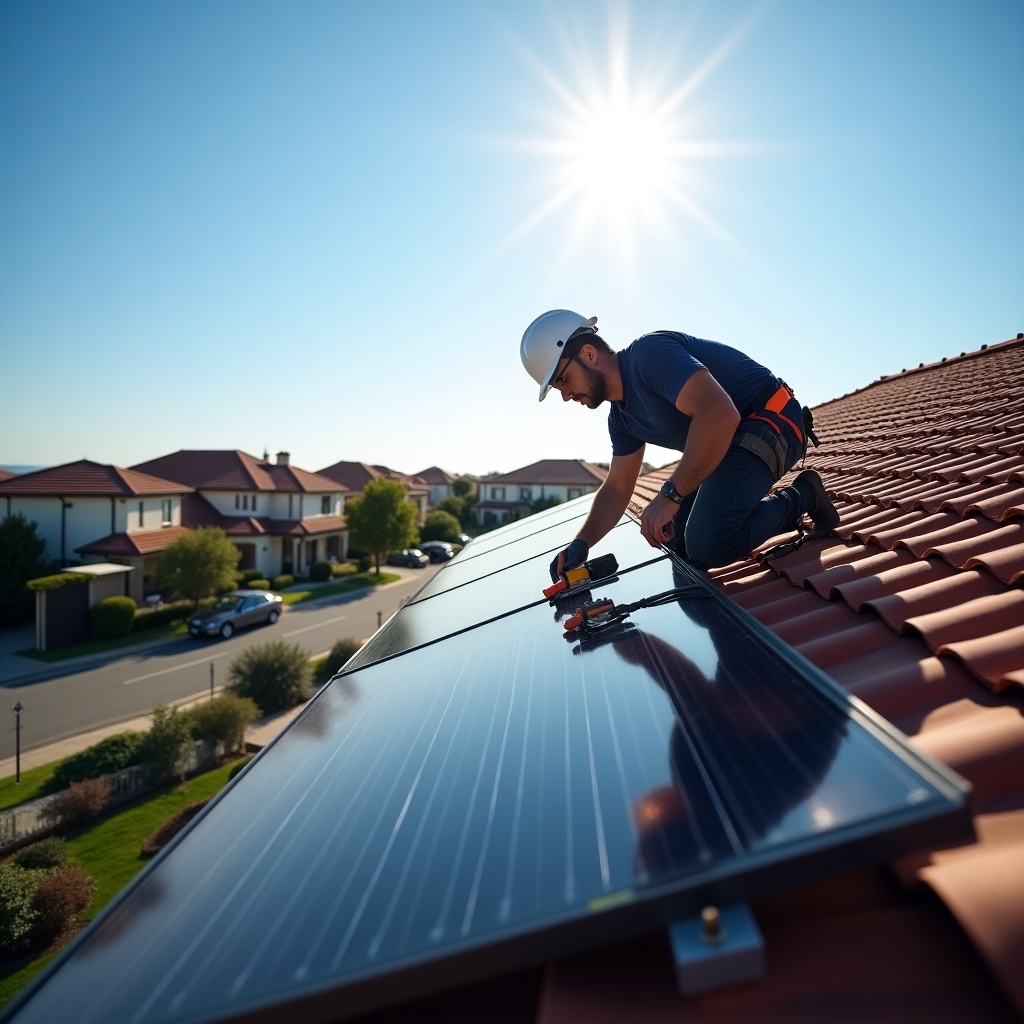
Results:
<point x="822" y="512"/>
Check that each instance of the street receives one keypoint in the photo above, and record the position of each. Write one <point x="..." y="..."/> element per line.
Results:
<point x="134" y="683"/>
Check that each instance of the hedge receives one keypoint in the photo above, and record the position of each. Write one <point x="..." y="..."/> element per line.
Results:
<point x="61" y="579"/>
<point x="258" y="585"/>
<point x="175" y="612"/>
<point x="121" y="750"/>
<point x="112" y="617"/>
<point x="280" y="582"/>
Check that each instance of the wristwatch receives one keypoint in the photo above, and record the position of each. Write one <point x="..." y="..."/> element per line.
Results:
<point x="668" y="491"/>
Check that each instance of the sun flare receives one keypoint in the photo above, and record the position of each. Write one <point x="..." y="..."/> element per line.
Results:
<point x="622" y="155"/>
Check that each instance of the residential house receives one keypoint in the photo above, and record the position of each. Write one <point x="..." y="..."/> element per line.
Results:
<point x="508" y="496"/>
<point x="439" y="483"/>
<point x="354" y="476"/>
<point x="282" y="518"/>
<point x="91" y="512"/>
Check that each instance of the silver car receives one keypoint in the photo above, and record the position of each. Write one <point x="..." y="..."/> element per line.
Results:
<point x="234" y="610"/>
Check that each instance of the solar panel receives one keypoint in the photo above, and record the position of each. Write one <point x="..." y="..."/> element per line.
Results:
<point x="497" y="795"/>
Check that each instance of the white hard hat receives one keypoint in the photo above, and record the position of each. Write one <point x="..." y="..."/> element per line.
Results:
<point x="544" y="343"/>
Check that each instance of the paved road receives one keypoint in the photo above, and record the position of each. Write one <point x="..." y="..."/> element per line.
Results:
<point x="133" y="684"/>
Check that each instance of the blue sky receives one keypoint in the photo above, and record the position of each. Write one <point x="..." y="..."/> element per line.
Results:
<point x="323" y="227"/>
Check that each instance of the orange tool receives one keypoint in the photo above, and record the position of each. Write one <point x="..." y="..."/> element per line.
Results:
<point x="581" y="577"/>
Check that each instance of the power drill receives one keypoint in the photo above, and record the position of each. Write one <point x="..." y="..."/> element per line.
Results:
<point x="582" y="576"/>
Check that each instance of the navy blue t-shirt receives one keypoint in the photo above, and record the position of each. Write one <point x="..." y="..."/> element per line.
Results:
<point x="654" y="369"/>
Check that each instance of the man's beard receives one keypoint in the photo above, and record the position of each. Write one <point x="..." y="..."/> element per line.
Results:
<point x="597" y="386"/>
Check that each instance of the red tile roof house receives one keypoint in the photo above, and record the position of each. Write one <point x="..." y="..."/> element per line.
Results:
<point x="915" y="606"/>
<point x="102" y="513"/>
<point x="356" y="475"/>
<point x="439" y="482"/>
<point x="282" y="518"/>
<point x="508" y="496"/>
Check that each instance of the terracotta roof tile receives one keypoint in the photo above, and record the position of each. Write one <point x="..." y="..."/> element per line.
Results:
<point x="995" y="659"/>
<point x="222" y="470"/>
<point x="956" y="588"/>
<point x="89" y="479"/>
<point x="130" y="545"/>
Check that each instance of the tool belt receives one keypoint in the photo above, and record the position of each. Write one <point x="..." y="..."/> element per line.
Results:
<point x="771" y="446"/>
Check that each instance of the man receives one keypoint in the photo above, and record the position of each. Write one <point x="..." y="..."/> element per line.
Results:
<point x="738" y="427"/>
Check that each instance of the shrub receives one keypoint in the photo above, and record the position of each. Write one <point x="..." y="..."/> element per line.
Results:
<point x="58" y="899"/>
<point x="79" y="803"/>
<point x="224" y="720"/>
<point x="320" y="572"/>
<point x="340" y="653"/>
<point x="17" y="913"/>
<point x="121" y="750"/>
<point x="165" y="742"/>
<point x="280" y="582"/>
<point x="61" y="579"/>
<point x="344" y="569"/>
<point x="238" y="767"/>
<point x="440" y="525"/>
<point x="249" y="574"/>
<point x="275" y="675"/>
<point x="365" y="561"/>
<point x="258" y="585"/>
<point x="112" y="617"/>
<point x="173" y="612"/>
<point x="45" y="855"/>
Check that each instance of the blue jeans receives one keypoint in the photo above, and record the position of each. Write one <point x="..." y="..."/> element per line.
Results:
<point x="729" y="514"/>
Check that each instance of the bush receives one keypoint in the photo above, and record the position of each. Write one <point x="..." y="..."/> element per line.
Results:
<point x="340" y="653"/>
<point x="280" y="582"/>
<point x="249" y="574"/>
<point x="365" y="561"/>
<point x="258" y="585"/>
<point x="440" y="525"/>
<point x="344" y="569"/>
<point x="174" y="612"/>
<point x="238" y="767"/>
<point x="224" y="720"/>
<point x="58" y="899"/>
<point x="112" y="617"/>
<point x="61" y="579"/>
<point x="45" y="855"/>
<point x="275" y="675"/>
<point x="121" y="750"/>
<point x="320" y="572"/>
<point x="165" y="742"/>
<point x="80" y="803"/>
<point x="17" y="914"/>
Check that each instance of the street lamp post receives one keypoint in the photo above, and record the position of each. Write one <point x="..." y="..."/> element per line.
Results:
<point x="17" y="709"/>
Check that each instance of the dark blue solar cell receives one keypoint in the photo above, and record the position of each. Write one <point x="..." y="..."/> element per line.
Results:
<point x="503" y="795"/>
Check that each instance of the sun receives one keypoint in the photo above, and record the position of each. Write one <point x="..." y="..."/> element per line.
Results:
<point x="622" y="157"/>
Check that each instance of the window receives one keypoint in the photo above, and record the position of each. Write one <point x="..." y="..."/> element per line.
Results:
<point x="525" y="494"/>
<point x="575" y="492"/>
<point x="325" y="505"/>
<point x="254" y="503"/>
<point x="497" y="494"/>
<point x="142" y="508"/>
<point x="238" y="501"/>
<point x="165" y="512"/>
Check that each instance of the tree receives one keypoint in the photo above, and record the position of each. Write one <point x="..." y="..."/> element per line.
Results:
<point x="199" y="563"/>
<point x="275" y="675"/>
<point x="22" y="553"/>
<point x="463" y="488"/>
<point x="165" y="743"/>
<point x="382" y="520"/>
<point x="440" y="525"/>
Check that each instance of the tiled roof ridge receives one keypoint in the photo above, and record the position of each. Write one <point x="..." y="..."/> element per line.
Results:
<point x="943" y="363"/>
<point x="104" y="479"/>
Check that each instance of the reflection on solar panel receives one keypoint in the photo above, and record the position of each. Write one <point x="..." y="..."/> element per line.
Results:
<point x="497" y="796"/>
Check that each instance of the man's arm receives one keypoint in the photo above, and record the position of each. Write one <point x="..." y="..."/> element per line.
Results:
<point x="713" y="422"/>
<point x="610" y="501"/>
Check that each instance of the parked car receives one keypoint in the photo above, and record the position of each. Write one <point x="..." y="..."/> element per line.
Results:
<point x="411" y="557"/>
<point x="233" y="611"/>
<point x="437" y="550"/>
<point x="463" y="539"/>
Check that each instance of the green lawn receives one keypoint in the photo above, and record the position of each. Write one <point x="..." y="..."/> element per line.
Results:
<point x="99" y="646"/>
<point x="109" y="850"/>
<point x="345" y="586"/>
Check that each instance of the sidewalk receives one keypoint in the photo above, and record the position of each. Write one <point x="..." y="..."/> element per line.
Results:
<point x="258" y="735"/>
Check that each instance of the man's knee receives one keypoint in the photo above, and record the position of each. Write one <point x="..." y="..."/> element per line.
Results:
<point x="712" y="552"/>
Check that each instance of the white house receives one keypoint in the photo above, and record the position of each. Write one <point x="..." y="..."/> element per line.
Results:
<point x="508" y="496"/>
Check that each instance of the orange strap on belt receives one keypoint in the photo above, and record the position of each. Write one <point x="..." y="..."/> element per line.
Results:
<point x="776" y="404"/>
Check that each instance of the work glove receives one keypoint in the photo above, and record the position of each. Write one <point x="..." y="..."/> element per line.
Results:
<point x="575" y="554"/>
